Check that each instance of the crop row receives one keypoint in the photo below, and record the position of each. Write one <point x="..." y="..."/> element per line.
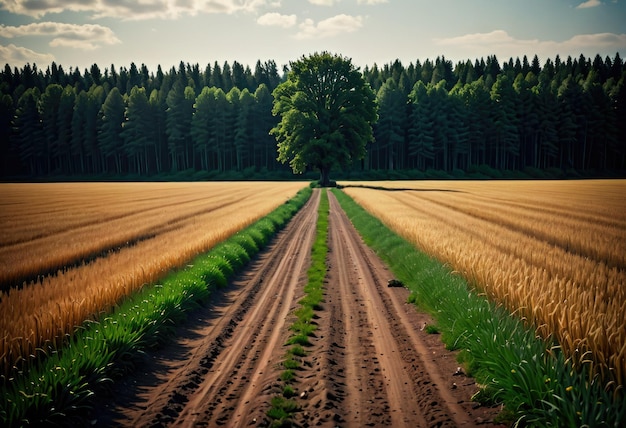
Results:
<point x="304" y="326"/>
<point x="156" y="227"/>
<point x="59" y="389"/>
<point x="550" y="252"/>
<point x="531" y="376"/>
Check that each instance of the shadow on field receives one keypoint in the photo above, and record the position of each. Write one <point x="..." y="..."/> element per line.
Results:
<point x="399" y="189"/>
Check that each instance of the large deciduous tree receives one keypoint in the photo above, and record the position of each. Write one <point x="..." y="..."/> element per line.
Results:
<point x="327" y="111"/>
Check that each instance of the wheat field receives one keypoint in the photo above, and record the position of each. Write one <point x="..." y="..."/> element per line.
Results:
<point x="552" y="252"/>
<point x="69" y="252"/>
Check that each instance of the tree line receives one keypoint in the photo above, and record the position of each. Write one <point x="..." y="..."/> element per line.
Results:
<point x="514" y="116"/>
<point x="434" y="115"/>
<point x="130" y="121"/>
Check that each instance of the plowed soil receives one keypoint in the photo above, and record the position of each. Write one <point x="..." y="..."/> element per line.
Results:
<point x="370" y="363"/>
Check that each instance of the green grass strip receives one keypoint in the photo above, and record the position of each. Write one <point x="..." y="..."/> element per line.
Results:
<point x="533" y="379"/>
<point x="282" y="406"/>
<point x="60" y="390"/>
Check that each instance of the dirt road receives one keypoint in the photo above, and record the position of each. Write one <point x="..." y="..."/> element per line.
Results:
<point x="370" y="363"/>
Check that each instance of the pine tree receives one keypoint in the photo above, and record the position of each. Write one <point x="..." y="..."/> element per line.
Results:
<point x="201" y="125"/>
<point x="546" y="147"/>
<point x="77" y="142"/>
<point x="64" y="126"/>
<point x="110" y="141"/>
<point x="49" y="111"/>
<point x="158" y="106"/>
<point x="441" y="123"/>
<point x="569" y="94"/>
<point x="421" y="132"/>
<point x="526" y="112"/>
<point x="264" y="121"/>
<point x="234" y="107"/>
<point x="243" y="129"/>
<point x="180" y="101"/>
<point x="389" y="130"/>
<point x="503" y="114"/>
<point x="138" y="131"/>
<point x="29" y="135"/>
<point x="458" y="133"/>
<point x="7" y="112"/>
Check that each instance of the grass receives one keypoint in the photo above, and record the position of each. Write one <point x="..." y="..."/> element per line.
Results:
<point x="431" y="329"/>
<point x="281" y="409"/>
<point x="59" y="389"/>
<point x="538" y="385"/>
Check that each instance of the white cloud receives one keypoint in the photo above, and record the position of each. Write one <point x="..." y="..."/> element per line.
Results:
<point x="329" y="27"/>
<point x="19" y="56"/>
<point x="372" y="1"/>
<point x="87" y="36"/>
<point x="504" y="46"/>
<point x="598" y="40"/>
<point x="134" y="10"/>
<point x="496" y="37"/>
<point x="588" y="4"/>
<point x="323" y="2"/>
<point x="277" y="20"/>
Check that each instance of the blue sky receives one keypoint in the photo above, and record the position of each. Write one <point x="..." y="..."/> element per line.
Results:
<point x="78" y="33"/>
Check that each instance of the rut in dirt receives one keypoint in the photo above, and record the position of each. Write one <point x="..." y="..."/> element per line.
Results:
<point x="368" y="364"/>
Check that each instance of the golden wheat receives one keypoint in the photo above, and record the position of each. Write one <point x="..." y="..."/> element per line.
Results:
<point x="174" y="221"/>
<point x="552" y="252"/>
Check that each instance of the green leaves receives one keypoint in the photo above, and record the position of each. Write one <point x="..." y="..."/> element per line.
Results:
<point x="326" y="110"/>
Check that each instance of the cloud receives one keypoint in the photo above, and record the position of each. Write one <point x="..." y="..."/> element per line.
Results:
<point x="588" y="4"/>
<point x="598" y="40"/>
<point x="504" y="46"/>
<point x="277" y="20"/>
<point x="329" y="27"/>
<point x="134" y="10"/>
<point x="496" y="37"/>
<point x="87" y="36"/>
<point x="372" y="1"/>
<point x="323" y="2"/>
<point x="18" y="56"/>
<point x="39" y="8"/>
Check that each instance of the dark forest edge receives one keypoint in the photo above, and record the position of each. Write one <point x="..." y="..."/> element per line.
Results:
<point x="475" y="172"/>
<point x="472" y="120"/>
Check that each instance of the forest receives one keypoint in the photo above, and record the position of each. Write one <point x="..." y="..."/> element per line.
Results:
<point x="435" y="118"/>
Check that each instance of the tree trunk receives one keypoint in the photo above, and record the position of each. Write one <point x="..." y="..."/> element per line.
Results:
<point x="324" y="176"/>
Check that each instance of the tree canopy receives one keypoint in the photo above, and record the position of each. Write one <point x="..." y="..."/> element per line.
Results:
<point x="327" y="111"/>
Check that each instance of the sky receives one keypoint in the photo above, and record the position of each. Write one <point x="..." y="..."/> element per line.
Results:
<point x="79" y="33"/>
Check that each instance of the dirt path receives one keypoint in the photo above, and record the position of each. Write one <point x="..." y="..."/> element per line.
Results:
<point x="371" y="363"/>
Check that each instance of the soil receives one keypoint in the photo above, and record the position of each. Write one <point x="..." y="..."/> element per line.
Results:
<point x="371" y="362"/>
